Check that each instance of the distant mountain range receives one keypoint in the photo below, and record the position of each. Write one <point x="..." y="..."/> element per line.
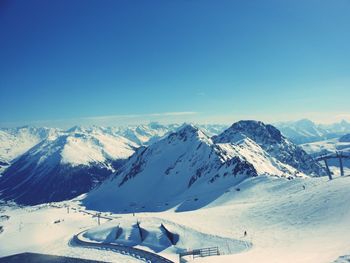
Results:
<point x="306" y="131"/>
<point x="44" y="164"/>
<point x="153" y="162"/>
<point x="16" y="141"/>
<point x="64" y="166"/>
<point x="330" y="146"/>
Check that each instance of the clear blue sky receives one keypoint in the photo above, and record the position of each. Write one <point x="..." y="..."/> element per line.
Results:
<point x="202" y="60"/>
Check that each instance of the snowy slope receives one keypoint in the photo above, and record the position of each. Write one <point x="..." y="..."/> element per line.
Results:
<point x="181" y="167"/>
<point x="305" y="220"/>
<point x="284" y="222"/>
<point x="64" y="167"/>
<point x="167" y="169"/>
<point x="331" y="146"/>
<point x="327" y="146"/>
<point x="16" y="141"/>
<point x="91" y="146"/>
<point x="32" y="229"/>
<point x="260" y="159"/>
<point x="273" y="142"/>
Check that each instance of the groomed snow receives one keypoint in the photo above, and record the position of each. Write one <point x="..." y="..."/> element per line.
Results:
<point x="299" y="220"/>
<point x="34" y="230"/>
<point x="284" y="222"/>
<point x="155" y="239"/>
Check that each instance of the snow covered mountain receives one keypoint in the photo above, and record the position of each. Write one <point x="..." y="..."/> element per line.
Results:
<point x="341" y="144"/>
<point x="166" y="169"/>
<point x="176" y="170"/>
<point x="63" y="167"/>
<point x="328" y="146"/>
<point x="212" y="129"/>
<point x="147" y="134"/>
<point x="186" y="161"/>
<point x="143" y="134"/>
<point x="16" y="141"/>
<point x="302" y="131"/>
<point x="305" y="131"/>
<point x="340" y="127"/>
<point x="273" y="142"/>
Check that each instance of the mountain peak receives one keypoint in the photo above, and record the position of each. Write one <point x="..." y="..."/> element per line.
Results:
<point x="188" y="131"/>
<point x="344" y="122"/>
<point x="255" y="130"/>
<point x="65" y="166"/>
<point x="155" y="125"/>
<point x="188" y="127"/>
<point x="273" y="142"/>
<point x="75" y="128"/>
<point x="305" y="124"/>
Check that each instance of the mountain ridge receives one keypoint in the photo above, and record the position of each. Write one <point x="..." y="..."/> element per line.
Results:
<point x="72" y="162"/>
<point x="305" y="131"/>
<point x="185" y="164"/>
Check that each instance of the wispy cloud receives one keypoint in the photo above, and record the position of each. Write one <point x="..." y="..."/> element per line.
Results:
<point x="131" y="116"/>
<point x="110" y="120"/>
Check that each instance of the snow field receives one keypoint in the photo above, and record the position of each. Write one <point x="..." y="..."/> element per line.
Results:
<point x="34" y="230"/>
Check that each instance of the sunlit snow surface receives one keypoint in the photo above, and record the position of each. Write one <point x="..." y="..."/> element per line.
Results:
<point x="284" y="223"/>
<point x="330" y="147"/>
<point x="326" y="146"/>
<point x="95" y="147"/>
<point x="16" y="141"/>
<point x="34" y="230"/>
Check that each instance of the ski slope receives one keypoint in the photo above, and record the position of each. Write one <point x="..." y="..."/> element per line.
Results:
<point x="299" y="220"/>
<point x="33" y="230"/>
<point x="284" y="222"/>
